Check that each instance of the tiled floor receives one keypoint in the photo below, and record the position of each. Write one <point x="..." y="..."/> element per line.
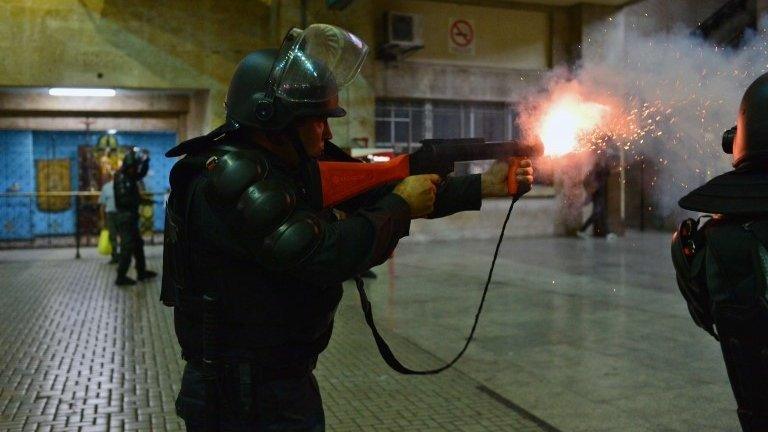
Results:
<point x="587" y="334"/>
<point x="81" y="354"/>
<point x="577" y="335"/>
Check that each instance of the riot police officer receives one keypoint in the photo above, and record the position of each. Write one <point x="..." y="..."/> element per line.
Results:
<point x="127" y="200"/>
<point x="252" y="265"/>
<point x="722" y="264"/>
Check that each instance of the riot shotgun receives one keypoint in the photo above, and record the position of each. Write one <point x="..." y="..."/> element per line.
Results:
<point x="340" y="181"/>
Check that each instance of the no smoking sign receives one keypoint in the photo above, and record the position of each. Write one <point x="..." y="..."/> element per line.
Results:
<point x="461" y="36"/>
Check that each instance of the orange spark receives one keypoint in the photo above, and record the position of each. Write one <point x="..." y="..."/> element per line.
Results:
<point x="567" y="120"/>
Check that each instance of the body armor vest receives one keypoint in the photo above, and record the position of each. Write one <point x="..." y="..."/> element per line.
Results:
<point x="234" y="224"/>
<point x="127" y="196"/>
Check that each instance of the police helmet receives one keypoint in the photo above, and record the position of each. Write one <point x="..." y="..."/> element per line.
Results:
<point x="130" y="159"/>
<point x="272" y="87"/>
<point x="748" y="140"/>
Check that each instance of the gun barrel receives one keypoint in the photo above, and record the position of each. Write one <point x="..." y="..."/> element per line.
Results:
<point x="470" y="149"/>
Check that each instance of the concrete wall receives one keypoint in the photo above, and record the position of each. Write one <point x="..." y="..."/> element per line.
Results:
<point x="649" y="17"/>
<point x="603" y="32"/>
<point x="513" y="44"/>
<point x="146" y="44"/>
<point x="414" y="80"/>
<point x="504" y="37"/>
<point x="129" y="43"/>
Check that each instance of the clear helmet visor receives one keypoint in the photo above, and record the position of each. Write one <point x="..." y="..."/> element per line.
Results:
<point x="315" y="63"/>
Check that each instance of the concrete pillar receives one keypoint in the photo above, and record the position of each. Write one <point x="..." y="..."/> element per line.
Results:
<point x="565" y="30"/>
<point x="602" y="33"/>
<point x="587" y="32"/>
<point x="428" y="126"/>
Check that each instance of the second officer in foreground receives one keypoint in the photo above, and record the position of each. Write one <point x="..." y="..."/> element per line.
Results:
<point x="722" y="265"/>
<point x="252" y="268"/>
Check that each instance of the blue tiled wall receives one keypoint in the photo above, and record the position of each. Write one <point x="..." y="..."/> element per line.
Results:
<point x="16" y="174"/>
<point x="20" y="217"/>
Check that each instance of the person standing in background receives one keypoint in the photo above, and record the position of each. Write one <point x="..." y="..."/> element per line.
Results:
<point x="127" y="200"/>
<point x="596" y="185"/>
<point x="109" y="214"/>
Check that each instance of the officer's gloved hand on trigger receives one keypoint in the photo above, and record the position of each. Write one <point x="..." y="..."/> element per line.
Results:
<point x="419" y="192"/>
<point x="494" y="181"/>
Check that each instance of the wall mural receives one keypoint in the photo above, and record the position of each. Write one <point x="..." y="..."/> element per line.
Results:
<point x="53" y="176"/>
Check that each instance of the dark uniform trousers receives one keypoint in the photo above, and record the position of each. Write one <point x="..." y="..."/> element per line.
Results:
<point x="744" y="343"/>
<point x="111" y="222"/>
<point x="242" y="401"/>
<point x="131" y="243"/>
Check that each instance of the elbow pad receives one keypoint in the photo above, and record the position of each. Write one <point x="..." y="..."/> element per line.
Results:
<point x="262" y="206"/>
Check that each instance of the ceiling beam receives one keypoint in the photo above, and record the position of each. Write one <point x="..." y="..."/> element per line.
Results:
<point x="502" y="4"/>
<point x="523" y="5"/>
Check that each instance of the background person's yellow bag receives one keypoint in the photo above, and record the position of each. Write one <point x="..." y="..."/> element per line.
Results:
<point x="105" y="247"/>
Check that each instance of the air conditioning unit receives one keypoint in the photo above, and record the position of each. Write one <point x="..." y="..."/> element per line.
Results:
<point x="402" y="34"/>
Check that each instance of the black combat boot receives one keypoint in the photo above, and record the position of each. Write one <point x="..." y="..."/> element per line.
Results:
<point x="124" y="281"/>
<point x="146" y="274"/>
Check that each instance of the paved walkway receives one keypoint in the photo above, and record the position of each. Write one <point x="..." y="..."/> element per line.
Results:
<point x="80" y="354"/>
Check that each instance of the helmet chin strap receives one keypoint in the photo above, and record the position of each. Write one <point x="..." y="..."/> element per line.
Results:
<point x="308" y="170"/>
<point x="298" y="145"/>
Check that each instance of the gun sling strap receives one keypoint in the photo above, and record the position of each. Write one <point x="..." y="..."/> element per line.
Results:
<point x="386" y="351"/>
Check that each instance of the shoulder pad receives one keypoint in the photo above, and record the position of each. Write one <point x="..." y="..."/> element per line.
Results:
<point x="261" y="204"/>
<point x="292" y="242"/>
<point x="265" y="205"/>
<point x="256" y="201"/>
<point x="232" y="173"/>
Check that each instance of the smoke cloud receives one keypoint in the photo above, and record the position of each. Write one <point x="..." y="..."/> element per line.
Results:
<point x="671" y="96"/>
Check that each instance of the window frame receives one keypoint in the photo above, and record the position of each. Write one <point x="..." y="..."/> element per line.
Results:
<point x="468" y="114"/>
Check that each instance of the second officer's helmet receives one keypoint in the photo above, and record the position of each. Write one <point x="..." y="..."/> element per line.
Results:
<point x="272" y="87"/>
<point x="748" y="141"/>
